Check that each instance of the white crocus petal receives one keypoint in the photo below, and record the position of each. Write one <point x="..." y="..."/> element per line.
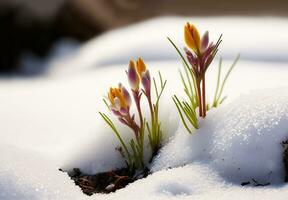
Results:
<point x="117" y="104"/>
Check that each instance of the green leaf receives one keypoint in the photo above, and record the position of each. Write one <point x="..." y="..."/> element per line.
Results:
<point x="178" y="103"/>
<point x="226" y="76"/>
<point x="215" y="103"/>
<point x="182" y="57"/>
<point x="112" y="126"/>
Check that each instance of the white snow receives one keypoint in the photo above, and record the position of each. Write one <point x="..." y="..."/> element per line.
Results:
<point x="29" y="175"/>
<point x="52" y="122"/>
<point x="241" y="140"/>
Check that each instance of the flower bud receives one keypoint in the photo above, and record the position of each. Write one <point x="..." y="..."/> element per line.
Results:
<point x="141" y="67"/>
<point x="133" y="77"/>
<point x="146" y="81"/>
<point x="192" y="37"/>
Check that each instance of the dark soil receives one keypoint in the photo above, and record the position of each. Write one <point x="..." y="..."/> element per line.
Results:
<point x="254" y="183"/>
<point x="285" y="159"/>
<point x="105" y="182"/>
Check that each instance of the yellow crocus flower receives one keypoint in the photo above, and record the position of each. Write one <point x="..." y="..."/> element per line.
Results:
<point x="192" y="37"/>
<point x="141" y="67"/>
<point x="117" y="98"/>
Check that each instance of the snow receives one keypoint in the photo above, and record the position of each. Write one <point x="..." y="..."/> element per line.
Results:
<point x="245" y="35"/>
<point x="51" y="121"/>
<point x="241" y="140"/>
<point x="29" y="175"/>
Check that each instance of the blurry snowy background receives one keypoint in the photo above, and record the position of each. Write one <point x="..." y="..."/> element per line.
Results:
<point x="32" y="29"/>
<point x="58" y="58"/>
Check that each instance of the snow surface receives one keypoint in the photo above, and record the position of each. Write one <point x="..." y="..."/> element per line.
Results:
<point x="52" y="122"/>
<point x="241" y="140"/>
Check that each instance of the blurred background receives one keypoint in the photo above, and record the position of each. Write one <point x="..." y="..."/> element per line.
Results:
<point x="32" y="27"/>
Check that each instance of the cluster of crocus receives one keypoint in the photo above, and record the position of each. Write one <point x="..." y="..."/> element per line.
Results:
<point x="200" y="53"/>
<point x="138" y="73"/>
<point x="120" y="103"/>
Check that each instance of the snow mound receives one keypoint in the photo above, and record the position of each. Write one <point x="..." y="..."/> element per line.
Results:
<point x="29" y="175"/>
<point x="178" y="183"/>
<point x="193" y="181"/>
<point x="242" y="140"/>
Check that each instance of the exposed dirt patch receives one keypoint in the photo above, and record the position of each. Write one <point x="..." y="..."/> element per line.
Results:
<point x="285" y="159"/>
<point x="105" y="182"/>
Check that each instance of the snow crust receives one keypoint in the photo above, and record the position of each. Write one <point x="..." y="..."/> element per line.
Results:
<point x="241" y="140"/>
<point x="51" y="122"/>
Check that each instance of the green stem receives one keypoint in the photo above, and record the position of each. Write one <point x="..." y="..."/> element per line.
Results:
<point x="151" y="108"/>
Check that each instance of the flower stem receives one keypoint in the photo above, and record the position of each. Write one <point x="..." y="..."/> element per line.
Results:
<point x="132" y="124"/>
<point x="204" y="96"/>
<point x="200" y="98"/>
<point x="137" y="102"/>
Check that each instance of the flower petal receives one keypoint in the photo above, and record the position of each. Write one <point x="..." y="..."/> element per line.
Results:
<point x="146" y="81"/>
<point x="126" y="96"/>
<point x="192" y="37"/>
<point x="117" y="104"/>
<point x="191" y="58"/>
<point x="141" y="67"/>
<point x="204" y="41"/>
<point x="133" y="77"/>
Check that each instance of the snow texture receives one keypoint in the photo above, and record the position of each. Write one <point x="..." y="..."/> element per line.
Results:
<point x="51" y="121"/>
<point x="241" y="140"/>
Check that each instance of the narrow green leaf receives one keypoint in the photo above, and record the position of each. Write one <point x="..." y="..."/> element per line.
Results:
<point x="111" y="124"/>
<point x="183" y="59"/>
<point x="218" y="83"/>
<point x="227" y="75"/>
<point x="177" y="102"/>
<point x="155" y="86"/>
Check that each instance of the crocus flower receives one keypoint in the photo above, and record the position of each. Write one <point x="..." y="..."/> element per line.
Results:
<point x="120" y="100"/>
<point x="192" y="37"/>
<point x="133" y="76"/>
<point x="144" y="75"/>
<point x="202" y="52"/>
<point x="137" y="73"/>
<point x="141" y="67"/>
<point x="146" y="82"/>
<point x="200" y="57"/>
